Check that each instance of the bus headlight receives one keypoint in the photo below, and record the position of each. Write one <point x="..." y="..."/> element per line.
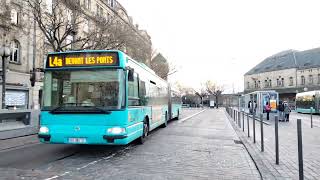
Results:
<point x="43" y="130"/>
<point x="116" y="130"/>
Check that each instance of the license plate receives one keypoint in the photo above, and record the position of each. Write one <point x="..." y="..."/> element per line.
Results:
<point x="77" y="140"/>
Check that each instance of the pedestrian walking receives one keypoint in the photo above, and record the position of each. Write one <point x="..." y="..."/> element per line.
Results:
<point x="267" y="109"/>
<point x="287" y="111"/>
<point x="281" y="111"/>
<point x="250" y="107"/>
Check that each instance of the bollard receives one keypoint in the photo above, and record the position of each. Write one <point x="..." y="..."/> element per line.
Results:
<point x="239" y="119"/>
<point x="254" y="127"/>
<point x="300" y="153"/>
<point x="242" y="121"/>
<point x="276" y="131"/>
<point x="261" y="130"/>
<point x="248" y="125"/>
<point x="311" y="117"/>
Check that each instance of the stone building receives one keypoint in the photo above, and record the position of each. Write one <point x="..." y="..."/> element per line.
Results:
<point x="20" y="32"/>
<point x="288" y="72"/>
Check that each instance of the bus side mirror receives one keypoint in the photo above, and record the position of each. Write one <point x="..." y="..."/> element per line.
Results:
<point x="131" y="75"/>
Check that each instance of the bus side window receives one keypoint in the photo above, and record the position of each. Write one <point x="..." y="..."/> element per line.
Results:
<point x="142" y="93"/>
<point x="133" y="96"/>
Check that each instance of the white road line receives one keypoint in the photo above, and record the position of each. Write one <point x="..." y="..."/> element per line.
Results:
<point x="184" y="119"/>
<point x="53" y="177"/>
<point x="90" y="163"/>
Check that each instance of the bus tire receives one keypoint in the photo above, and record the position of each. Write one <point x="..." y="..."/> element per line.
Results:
<point x="145" y="132"/>
<point x="178" y="115"/>
<point x="165" y="124"/>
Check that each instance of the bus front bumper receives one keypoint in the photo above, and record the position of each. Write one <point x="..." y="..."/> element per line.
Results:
<point x="111" y="138"/>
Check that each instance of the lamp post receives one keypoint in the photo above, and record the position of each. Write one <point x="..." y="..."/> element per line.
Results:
<point x="4" y="53"/>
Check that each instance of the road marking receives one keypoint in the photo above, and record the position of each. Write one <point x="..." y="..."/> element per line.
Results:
<point x="53" y="177"/>
<point x="184" y="119"/>
<point x="90" y="163"/>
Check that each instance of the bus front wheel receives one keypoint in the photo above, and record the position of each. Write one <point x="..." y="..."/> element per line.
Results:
<point x="142" y="138"/>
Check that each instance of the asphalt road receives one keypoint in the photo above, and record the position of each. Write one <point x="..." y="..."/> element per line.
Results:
<point x="38" y="155"/>
<point x="201" y="147"/>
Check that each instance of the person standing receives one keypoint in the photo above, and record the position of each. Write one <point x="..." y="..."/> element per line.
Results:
<point x="281" y="111"/>
<point x="267" y="109"/>
<point x="287" y="111"/>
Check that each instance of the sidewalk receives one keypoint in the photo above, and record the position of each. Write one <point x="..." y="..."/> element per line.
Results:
<point x="288" y="150"/>
<point x="12" y="143"/>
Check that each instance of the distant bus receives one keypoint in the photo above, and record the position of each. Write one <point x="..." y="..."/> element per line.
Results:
<point x="101" y="97"/>
<point x="306" y="100"/>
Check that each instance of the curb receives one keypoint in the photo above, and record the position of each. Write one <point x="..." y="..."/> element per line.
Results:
<point x="260" y="167"/>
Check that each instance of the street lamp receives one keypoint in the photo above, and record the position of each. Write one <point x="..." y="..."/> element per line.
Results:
<point x="4" y="53"/>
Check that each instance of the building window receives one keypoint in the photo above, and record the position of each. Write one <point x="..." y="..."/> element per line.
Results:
<point x="48" y="4"/>
<point x="86" y="26"/>
<point x="318" y="78"/>
<point x="282" y="82"/>
<point x="270" y="83"/>
<point x="69" y="40"/>
<point x="248" y="85"/>
<point x="310" y="79"/>
<point x="69" y="16"/>
<point x="259" y="84"/>
<point x="15" y="48"/>
<point x="14" y="17"/>
<point x="303" y="80"/>
<point x="111" y="3"/>
<point x="266" y="83"/>
<point x="291" y="81"/>
<point x="99" y="11"/>
<point x="87" y="4"/>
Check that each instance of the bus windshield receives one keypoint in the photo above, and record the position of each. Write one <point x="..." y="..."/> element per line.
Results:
<point x="84" y="88"/>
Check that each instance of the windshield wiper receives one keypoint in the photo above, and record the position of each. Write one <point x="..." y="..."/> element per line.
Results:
<point x="79" y="109"/>
<point x="98" y="109"/>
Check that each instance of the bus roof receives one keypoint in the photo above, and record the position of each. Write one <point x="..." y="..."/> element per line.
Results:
<point x="308" y="93"/>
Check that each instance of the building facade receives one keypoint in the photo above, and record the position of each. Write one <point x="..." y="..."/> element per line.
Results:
<point x="21" y="33"/>
<point x="288" y="72"/>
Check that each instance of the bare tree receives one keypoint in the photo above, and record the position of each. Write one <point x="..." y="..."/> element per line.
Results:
<point x="201" y="94"/>
<point x="66" y="19"/>
<point x="214" y="89"/>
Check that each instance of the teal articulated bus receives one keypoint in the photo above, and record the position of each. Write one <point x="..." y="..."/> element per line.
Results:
<point x="101" y="97"/>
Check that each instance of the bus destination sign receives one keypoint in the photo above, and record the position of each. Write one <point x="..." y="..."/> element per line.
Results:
<point x="82" y="59"/>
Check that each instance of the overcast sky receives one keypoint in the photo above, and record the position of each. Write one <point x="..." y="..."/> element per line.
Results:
<point x="220" y="40"/>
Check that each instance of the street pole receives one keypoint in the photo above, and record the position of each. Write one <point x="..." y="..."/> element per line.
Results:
<point x="276" y="131"/>
<point x="4" y="53"/>
<point x="311" y="117"/>
<point x="4" y="69"/>
<point x="254" y="127"/>
<point x="300" y="153"/>
<point x="242" y="121"/>
<point x="248" y="125"/>
<point x="261" y="131"/>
